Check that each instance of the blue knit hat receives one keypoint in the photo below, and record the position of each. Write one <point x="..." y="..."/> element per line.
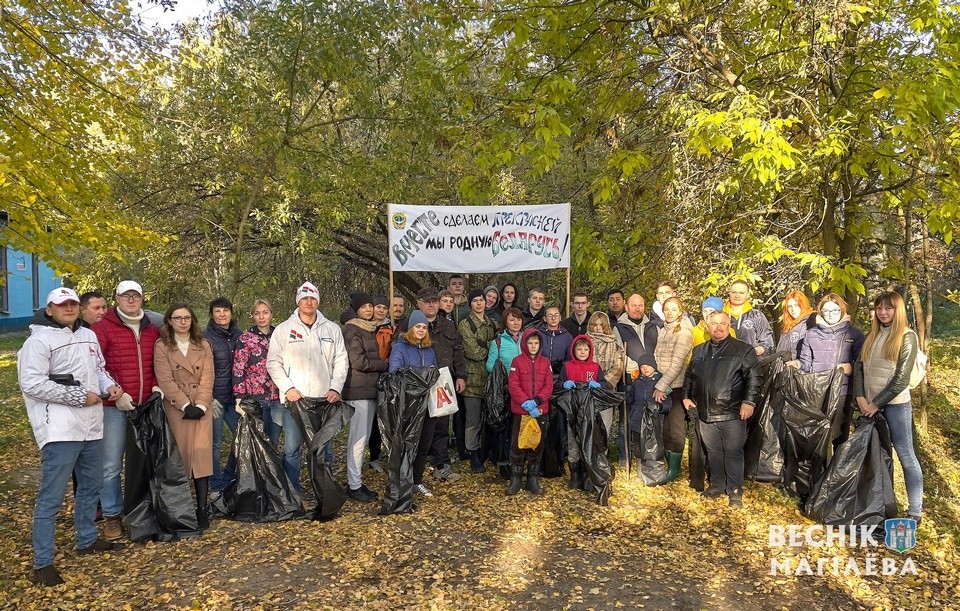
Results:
<point x="712" y="303"/>
<point x="416" y="318"/>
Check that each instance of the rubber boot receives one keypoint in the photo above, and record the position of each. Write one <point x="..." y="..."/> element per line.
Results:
<point x="587" y="482"/>
<point x="576" y="476"/>
<point x="533" y="479"/>
<point x="673" y="465"/>
<point x="202" y="487"/>
<point x="516" y="477"/>
<point x="476" y="463"/>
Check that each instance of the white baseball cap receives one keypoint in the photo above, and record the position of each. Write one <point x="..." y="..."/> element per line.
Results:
<point x="129" y="285"/>
<point x="307" y="289"/>
<point x="62" y="295"/>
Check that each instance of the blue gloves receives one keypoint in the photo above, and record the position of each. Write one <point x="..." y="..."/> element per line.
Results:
<point x="569" y="384"/>
<point x="530" y="406"/>
<point x="593" y="384"/>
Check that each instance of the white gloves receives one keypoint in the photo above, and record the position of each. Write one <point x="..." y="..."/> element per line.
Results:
<point x="125" y="403"/>
<point x="157" y="389"/>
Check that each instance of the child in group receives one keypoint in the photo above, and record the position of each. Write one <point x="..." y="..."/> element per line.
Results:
<point x="582" y="368"/>
<point x="639" y="394"/>
<point x="531" y="384"/>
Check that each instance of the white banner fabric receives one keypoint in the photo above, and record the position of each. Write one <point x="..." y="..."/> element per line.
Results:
<point x="479" y="239"/>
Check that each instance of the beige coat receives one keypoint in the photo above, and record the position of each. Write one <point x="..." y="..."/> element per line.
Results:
<point x="183" y="380"/>
<point x="673" y="349"/>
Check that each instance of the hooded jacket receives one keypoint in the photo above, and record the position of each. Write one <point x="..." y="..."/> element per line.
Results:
<point x="530" y="378"/>
<point x="503" y="348"/>
<point x="582" y="371"/>
<point x="250" y="377"/>
<point x="752" y="326"/>
<point x="58" y="412"/>
<point x="405" y="354"/>
<point x="556" y="345"/>
<point x="825" y="346"/>
<point x="128" y="357"/>
<point x="476" y="336"/>
<point x="720" y="377"/>
<point x="223" y="342"/>
<point x="312" y="359"/>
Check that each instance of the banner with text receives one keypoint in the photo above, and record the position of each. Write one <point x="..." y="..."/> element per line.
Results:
<point x="472" y="239"/>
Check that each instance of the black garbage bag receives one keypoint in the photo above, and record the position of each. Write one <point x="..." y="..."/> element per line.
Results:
<point x="401" y="412"/>
<point x="763" y="454"/>
<point x="320" y="422"/>
<point x="158" y="504"/>
<point x="810" y="401"/>
<point x="554" y="445"/>
<point x="582" y="406"/>
<point x="497" y="394"/>
<point x="261" y="491"/>
<point x="857" y="487"/>
<point x="649" y="437"/>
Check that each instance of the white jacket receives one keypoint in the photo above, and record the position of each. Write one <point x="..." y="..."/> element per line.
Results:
<point x="57" y="412"/>
<point x="311" y="359"/>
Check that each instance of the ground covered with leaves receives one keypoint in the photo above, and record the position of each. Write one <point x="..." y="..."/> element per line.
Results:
<point x="472" y="547"/>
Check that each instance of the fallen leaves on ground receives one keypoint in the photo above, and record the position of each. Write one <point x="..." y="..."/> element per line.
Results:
<point x="470" y="546"/>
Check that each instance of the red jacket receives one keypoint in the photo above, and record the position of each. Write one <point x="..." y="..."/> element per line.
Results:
<point x="582" y="371"/>
<point x="530" y="378"/>
<point x="129" y="360"/>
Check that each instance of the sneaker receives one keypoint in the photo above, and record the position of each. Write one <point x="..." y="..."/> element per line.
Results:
<point x="445" y="473"/>
<point x="915" y="517"/>
<point x="713" y="493"/>
<point x="422" y="490"/>
<point x="376" y="466"/>
<point x="362" y="494"/>
<point x="112" y="528"/>
<point x="100" y="545"/>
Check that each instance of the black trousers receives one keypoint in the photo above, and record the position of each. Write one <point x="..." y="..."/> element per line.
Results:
<point x="518" y="456"/>
<point x="440" y="446"/>
<point x="675" y="424"/>
<point x="426" y="439"/>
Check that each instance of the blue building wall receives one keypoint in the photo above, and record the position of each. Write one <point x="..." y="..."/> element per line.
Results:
<point x="28" y="280"/>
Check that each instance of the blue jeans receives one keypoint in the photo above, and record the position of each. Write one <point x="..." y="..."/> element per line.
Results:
<point x="222" y="477"/>
<point x="114" y="442"/>
<point x="292" y="442"/>
<point x="900" y="419"/>
<point x="269" y="410"/>
<point x="58" y="459"/>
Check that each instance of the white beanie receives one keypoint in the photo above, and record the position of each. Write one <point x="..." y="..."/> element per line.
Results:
<point x="307" y="289"/>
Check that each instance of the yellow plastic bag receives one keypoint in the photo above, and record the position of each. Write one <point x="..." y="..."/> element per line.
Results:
<point x="530" y="433"/>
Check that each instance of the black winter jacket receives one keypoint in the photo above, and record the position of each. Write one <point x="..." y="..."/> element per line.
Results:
<point x="223" y="342"/>
<point x="722" y="376"/>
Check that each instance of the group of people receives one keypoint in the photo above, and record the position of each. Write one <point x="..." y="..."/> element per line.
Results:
<point x="86" y="363"/>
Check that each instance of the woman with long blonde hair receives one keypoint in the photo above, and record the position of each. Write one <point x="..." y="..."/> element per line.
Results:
<point x="881" y="383"/>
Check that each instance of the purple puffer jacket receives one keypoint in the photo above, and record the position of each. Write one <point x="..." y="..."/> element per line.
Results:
<point x="824" y="347"/>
